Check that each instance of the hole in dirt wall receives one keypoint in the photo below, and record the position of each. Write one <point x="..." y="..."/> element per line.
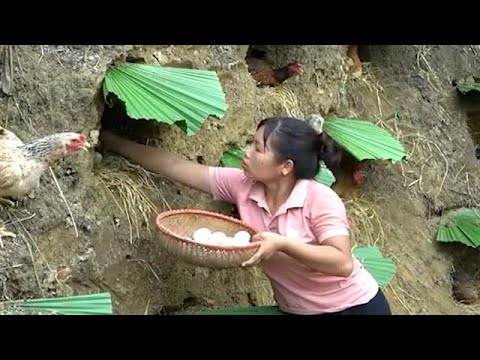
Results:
<point x="465" y="274"/>
<point x="373" y="56"/>
<point x="364" y="53"/>
<point x="272" y="65"/>
<point x="350" y="175"/>
<point x="470" y="104"/>
<point x="114" y="117"/>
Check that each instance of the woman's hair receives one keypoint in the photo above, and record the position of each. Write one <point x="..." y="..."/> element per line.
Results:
<point x="298" y="141"/>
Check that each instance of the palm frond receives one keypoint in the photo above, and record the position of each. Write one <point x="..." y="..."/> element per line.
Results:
<point x="167" y="94"/>
<point x="382" y="269"/>
<point x="90" y="304"/>
<point x="460" y="225"/>
<point x="364" y="140"/>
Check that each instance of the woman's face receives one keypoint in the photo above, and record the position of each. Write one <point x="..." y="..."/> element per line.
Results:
<point x="259" y="162"/>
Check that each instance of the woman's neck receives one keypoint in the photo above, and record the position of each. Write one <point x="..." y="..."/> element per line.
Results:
<point x="276" y="193"/>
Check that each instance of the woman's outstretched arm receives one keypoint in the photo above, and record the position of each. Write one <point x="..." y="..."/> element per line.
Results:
<point x="158" y="161"/>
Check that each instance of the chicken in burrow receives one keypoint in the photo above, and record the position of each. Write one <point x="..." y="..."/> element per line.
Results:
<point x="23" y="164"/>
<point x="264" y="74"/>
<point x="350" y="175"/>
<point x="353" y="61"/>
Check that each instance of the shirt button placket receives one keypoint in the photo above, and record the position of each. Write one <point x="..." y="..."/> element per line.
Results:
<point x="271" y="225"/>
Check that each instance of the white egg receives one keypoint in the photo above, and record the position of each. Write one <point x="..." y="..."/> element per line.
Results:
<point x="208" y="241"/>
<point x="242" y="237"/>
<point x="219" y="234"/>
<point x="243" y="242"/>
<point x="240" y="243"/>
<point x="228" y="241"/>
<point x="217" y="237"/>
<point x="201" y="235"/>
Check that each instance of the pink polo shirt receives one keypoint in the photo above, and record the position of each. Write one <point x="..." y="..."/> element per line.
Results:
<point x="311" y="214"/>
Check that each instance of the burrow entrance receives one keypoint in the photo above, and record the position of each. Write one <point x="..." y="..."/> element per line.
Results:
<point x="272" y="65"/>
<point x="465" y="274"/>
<point x="365" y="53"/>
<point x="116" y="119"/>
<point x="357" y="57"/>
<point x="114" y="114"/>
<point x="470" y="103"/>
<point x="359" y="53"/>
<point x="148" y="132"/>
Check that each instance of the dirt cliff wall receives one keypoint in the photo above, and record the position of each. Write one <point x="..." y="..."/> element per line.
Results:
<point x="408" y="89"/>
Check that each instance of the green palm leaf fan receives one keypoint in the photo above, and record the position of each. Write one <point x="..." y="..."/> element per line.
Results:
<point x="90" y="304"/>
<point x="364" y="140"/>
<point x="382" y="269"/>
<point x="233" y="156"/>
<point x="325" y="175"/>
<point x="460" y="225"/>
<point x="185" y="97"/>
<point x="467" y="87"/>
<point x="467" y="84"/>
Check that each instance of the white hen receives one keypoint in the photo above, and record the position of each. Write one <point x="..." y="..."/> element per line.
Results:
<point x="22" y="164"/>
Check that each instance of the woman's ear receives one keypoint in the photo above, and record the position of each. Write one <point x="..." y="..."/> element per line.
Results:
<point x="287" y="167"/>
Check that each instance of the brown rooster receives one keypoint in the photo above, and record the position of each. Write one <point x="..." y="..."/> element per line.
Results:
<point x="356" y="66"/>
<point x="22" y="165"/>
<point x="264" y="74"/>
<point x="350" y="174"/>
<point x="358" y="174"/>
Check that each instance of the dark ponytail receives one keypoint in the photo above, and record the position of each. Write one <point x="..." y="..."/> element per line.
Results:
<point x="296" y="140"/>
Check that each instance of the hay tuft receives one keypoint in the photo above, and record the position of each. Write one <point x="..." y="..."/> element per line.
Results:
<point x="131" y="187"/>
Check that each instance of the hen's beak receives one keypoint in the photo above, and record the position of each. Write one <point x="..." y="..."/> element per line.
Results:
<point x="85" y="146"/>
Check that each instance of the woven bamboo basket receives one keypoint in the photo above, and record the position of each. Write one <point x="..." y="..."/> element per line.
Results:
<point x="177" y="227"/>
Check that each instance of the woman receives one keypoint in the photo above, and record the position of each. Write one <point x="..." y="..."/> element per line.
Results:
<point x="305" y="246"/>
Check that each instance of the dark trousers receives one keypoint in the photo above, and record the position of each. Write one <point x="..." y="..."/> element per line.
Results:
<point x="377" y="306"/>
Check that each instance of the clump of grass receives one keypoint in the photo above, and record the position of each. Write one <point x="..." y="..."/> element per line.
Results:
<point x="131" y="187"/>
<point x="288" y="100"/>
<point x="367" y="228"/>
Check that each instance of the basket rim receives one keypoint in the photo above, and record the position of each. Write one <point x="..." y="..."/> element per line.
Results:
<point x="185" y="239"/>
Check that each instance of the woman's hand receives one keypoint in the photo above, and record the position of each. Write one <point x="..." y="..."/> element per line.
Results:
<point x="270" y="244"/>
<point x="332" y="257"/>
<point x="107" y="140"/>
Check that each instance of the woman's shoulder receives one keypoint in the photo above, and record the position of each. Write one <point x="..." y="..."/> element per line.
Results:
<point x="321" y="199"/>
<point x="322" y="193"/>
<point x="228" y="183"/>
<point x="229" y="174"/>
